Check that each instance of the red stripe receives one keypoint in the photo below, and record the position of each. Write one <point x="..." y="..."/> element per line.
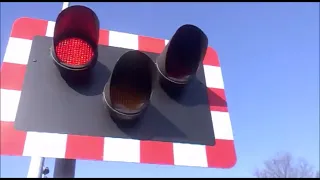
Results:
<point x="12" y="141"/>
<point x="222" y="154"/>
<point x="155" y="152"/>
<point x="217" y="100"/>
<point x="84" y="147"/>
<point x="104" y="37"/>
<point x="151" y="44"/>
<point x="12" y="76"/>
<point x="211" y="58"/>
<point x="27" y="28"/>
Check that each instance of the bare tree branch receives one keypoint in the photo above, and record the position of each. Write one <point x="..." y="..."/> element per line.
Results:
<point x="283" y="166"/>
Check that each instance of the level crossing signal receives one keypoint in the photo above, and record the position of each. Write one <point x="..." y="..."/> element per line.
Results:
<point x="94" y="94"/>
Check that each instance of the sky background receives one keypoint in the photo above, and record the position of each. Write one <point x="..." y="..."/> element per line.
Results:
<point x="269" y="55"/>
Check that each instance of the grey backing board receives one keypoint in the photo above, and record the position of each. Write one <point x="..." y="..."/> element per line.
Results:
<point x="49" y="104"/>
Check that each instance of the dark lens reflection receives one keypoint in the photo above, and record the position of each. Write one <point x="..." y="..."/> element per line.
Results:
<point x="131" y="83"/>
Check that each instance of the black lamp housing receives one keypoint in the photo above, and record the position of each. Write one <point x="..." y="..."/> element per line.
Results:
<point x="128" y="91"/>
<point x="77" y="22"/>
<point x="180" y="59"/>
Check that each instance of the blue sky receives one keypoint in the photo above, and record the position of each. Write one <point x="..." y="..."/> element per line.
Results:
<point x="269" y="54"/>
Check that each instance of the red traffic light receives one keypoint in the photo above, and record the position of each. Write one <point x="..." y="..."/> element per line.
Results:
<point x="75" y="40"/>
<point x="182" y="56"/>
<point x="128" y="90"/>
<point x="74" y="52"/>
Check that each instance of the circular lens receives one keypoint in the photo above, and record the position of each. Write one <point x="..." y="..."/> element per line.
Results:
<point x="127" y="99"/>
<point x="177" y="71"/>
<point x="74" y="52"/>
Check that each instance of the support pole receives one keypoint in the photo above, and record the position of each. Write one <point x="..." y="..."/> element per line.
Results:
<point x="35" y="167"/>
<point x="64" y="168"/>
<point x="65" y="5"/>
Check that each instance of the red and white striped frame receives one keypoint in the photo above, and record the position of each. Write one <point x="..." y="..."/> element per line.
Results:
<point x="20" y="143"/>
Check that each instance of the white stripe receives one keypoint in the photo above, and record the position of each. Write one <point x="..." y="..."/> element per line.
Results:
<point x="166" y="42"/>
<point x="50" y="28"/>
<point x="18" y="51"/>
<point x="65" y="5"/>
<point x="190" y="155"/>
<point x="222" y="125"/>
<point x="123" y="40"/>
<point x="9" y="104"/>
<point x="125" y="150"/>
<point x="45" y="145"/>
<point x="213" y="77"/>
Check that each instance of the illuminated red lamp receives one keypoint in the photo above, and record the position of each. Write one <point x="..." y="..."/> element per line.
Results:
<point x="74" y="52"/>
<point x="75" y="41"/>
